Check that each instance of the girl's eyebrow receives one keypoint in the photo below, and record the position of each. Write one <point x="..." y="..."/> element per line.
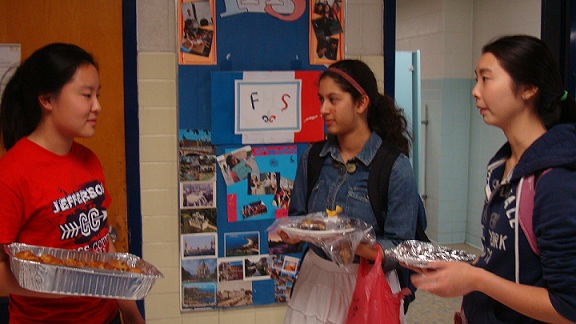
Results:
<point x="483" y="70"/>
<point x="90" y="87"/>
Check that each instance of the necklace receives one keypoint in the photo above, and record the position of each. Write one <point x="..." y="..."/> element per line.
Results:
<point x="349" y="166"/>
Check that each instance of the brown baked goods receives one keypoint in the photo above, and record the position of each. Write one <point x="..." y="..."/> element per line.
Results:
<point x="74" y="263"/>
<point x="50" y="259"/>
<point x="28" y="255"/>
<point x="136" y="270"/>
<point x="95" y="264"/>
<point x="345" y="252"/>
<point x="117" y="265"/>
<point x="313" y="224"/>
<point x="46" y="258"/>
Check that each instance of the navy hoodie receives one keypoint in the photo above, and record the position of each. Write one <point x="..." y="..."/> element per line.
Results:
<point x="554" y="223"/>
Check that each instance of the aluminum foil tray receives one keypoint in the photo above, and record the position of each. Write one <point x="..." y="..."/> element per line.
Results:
<point x="82" y="281"/>
<point x="418" y="254"/>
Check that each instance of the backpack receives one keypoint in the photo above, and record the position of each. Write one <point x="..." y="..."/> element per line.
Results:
<point x="378" y="177"/>
<point x="526" y="191"/>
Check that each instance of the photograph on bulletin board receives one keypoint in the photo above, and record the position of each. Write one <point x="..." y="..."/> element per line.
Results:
<point x="199" y="286"/>
<point x="326" y="31"/>
<point x="197" y="157"/>
<point x="197" y="32"/>
<point x="263" y="191"/>
<point x="256" y="267"/>
<point x="237" y="165"/>
<point x="235" y="293"/>
<point x="198" y="194"/>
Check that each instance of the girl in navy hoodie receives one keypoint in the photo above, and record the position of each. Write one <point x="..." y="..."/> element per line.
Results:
<point x="519" y="90"/>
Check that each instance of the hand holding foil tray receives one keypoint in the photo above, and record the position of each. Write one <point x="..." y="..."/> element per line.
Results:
<point x="418" y="254"/>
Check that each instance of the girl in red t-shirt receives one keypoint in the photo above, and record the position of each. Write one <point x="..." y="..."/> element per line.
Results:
<point x="52" y="189"/>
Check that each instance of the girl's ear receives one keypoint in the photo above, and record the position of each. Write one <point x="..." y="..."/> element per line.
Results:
<point x="528" y="92"/>
<point x="45" y="101"/>
<point x="363" y="104"/>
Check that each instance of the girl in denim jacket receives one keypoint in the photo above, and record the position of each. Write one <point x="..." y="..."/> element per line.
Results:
<point x="357" y="118"/>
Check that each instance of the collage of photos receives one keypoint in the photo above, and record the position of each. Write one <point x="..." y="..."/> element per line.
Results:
<point x="238" y="273"/>
<point x="259" y="181"/>
<point x="208" y="281"/>
<point x="197" y="182"/>
<point x="220" y="270"/>
<point x="197" y="32"/>
<point x="242" y="264"/>
<point x="198" y="226"/>
<point x="283" y="270"/>
<point x="326" y="31"/>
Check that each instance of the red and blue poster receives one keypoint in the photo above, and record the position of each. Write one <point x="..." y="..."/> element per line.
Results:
<point x="260" y="107"/>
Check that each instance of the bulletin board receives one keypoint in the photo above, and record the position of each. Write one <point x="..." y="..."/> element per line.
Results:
<point x="228" y="259"/>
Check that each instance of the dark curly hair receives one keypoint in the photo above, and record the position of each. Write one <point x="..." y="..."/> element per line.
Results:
<point x="384" y="117"/>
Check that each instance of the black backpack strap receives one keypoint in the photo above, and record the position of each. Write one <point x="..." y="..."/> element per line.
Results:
<point x="378" y="183"/>
<point x="314" y="166"/>
<point x="378" y="180"/>
<point x="420" y="229"/>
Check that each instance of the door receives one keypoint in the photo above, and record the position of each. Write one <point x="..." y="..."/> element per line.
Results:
<point x="408" y="96"/>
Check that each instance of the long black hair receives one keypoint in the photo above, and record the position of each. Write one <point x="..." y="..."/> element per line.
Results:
<point x="529" y="62"/>
<point x="46" y="71"/>
<point x="384" y="117"/>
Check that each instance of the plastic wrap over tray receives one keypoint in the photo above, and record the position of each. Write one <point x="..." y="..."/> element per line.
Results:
<point x="82" y="281"/>
<point x="418" y="254"/>
<point x="338" y="236"/>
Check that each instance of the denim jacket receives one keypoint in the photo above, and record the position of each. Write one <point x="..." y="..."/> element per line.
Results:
<point x="336" y="187"/>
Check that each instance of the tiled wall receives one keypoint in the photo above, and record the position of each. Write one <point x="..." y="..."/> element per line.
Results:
<point x="448" y="35"/>
<point x="442" y="31"/>
<point x="157" y="97"/>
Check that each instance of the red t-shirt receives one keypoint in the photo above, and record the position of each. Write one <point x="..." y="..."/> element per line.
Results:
<point x="55" y="201"/>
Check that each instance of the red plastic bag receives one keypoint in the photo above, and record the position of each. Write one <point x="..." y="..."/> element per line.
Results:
<point x="373" y="301"/>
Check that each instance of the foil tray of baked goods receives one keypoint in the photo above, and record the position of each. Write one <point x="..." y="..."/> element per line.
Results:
<point x="80" y="273"/>
<point x="418" y="254"/>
